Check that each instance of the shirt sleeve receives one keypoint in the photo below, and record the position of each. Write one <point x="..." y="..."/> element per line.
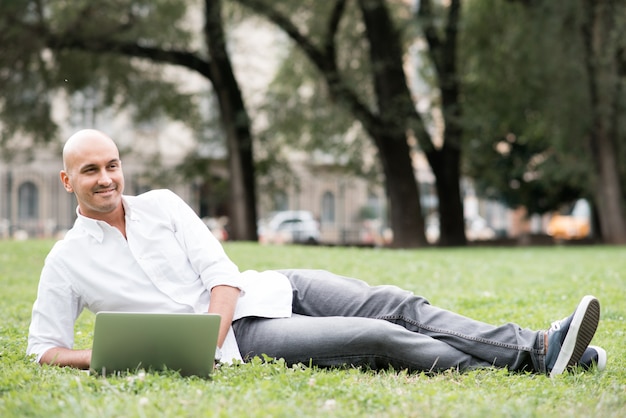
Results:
<point x="54" y="312"/>
<point x="205" y="252"/>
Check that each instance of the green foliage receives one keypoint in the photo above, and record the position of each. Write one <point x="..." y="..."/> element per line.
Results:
<point x="76" y="50"/>
<point x="158" y="22"/>
<point x="24" y="99"/>
<point x="527" y="103"/>
<point x="529" y="286"/>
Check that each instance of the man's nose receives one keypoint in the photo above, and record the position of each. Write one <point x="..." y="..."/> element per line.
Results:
<point x="104" y="178"/>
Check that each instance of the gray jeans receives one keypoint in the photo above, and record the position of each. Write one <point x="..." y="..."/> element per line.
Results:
<point x="340" y="321"/>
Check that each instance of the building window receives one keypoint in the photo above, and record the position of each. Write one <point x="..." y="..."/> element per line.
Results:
<point x="281" y="202"/>
<point x="328" y="208"/>
<point x="28" y="201"/>
<point x="373" y="209"/>
<point x="83" y="107"/>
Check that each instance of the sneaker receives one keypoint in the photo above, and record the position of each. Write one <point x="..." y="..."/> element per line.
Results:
<point x="593" y="356"/>
<point x="568" y="339"/>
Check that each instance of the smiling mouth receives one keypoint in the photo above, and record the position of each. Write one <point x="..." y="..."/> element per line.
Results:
<point x="106" y="191"/>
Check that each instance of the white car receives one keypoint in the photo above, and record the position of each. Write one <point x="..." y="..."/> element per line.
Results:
<point x="291" y="226"/>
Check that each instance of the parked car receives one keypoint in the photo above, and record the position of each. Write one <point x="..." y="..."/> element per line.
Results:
<point x="476" y="229"/>
<point x="575" y="225"/>
<point x="292" y="226"/>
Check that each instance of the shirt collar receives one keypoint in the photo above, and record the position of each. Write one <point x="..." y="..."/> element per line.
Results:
<point x="93" y="227"/>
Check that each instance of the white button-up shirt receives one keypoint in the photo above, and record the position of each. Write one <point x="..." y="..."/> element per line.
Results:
<point x="169" y="263"/>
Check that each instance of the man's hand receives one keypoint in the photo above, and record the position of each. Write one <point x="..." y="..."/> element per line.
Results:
<point x="80" y="359"/>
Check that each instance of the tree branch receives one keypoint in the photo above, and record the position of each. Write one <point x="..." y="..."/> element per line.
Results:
<point x="427" y="20"/>
<point x="333" y="27"/>
<point x="324" y="62"/>
<point x="167" y="56"/>
<point x="287" y="26"/>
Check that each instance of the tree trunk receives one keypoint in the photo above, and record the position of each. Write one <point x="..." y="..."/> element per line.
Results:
<point x="446" y="166"/>
<point x="405" y="212"/>
<point x="236" y="124"/>
<point x="446" y="161"/>
<point x="601" y="60"/>
<point x="389" y="128"/>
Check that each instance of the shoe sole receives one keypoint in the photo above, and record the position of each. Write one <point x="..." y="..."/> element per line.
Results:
<point x="579" y="334"/>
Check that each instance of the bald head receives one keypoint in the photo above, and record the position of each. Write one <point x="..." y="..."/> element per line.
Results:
<point x="83" y="141"/>
<point x="92" y="170"/>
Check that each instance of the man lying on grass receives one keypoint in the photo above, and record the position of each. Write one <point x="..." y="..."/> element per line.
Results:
<point x="151" y="253"/>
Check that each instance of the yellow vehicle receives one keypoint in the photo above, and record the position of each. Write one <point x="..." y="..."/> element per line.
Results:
<point x="576" y="225"/>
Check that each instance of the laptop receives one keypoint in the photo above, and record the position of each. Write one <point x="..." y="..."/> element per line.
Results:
<point x="125" y="341"/>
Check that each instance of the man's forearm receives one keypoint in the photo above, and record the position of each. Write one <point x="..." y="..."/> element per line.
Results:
<point x="223" y="302"/>
<point x="58" y="356"/>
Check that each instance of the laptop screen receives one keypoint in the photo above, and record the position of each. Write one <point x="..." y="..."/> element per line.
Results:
<point x="126" y="341"/>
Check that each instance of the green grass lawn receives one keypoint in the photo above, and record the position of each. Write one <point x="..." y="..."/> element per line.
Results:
<point x="529" y="286"/>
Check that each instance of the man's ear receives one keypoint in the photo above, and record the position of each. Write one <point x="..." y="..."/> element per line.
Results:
<point x="65" y="179"/>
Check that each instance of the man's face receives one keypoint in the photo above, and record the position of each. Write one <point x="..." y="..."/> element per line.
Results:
<point x="93" y="172"/>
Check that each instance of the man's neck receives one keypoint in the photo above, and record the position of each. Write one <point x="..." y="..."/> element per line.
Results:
<point x="115" y="218"/>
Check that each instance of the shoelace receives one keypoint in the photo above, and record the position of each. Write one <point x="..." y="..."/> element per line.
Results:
<point x="556" y="325"/>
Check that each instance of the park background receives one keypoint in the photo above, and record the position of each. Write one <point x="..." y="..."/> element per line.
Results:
<point x="396" y="123"/>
